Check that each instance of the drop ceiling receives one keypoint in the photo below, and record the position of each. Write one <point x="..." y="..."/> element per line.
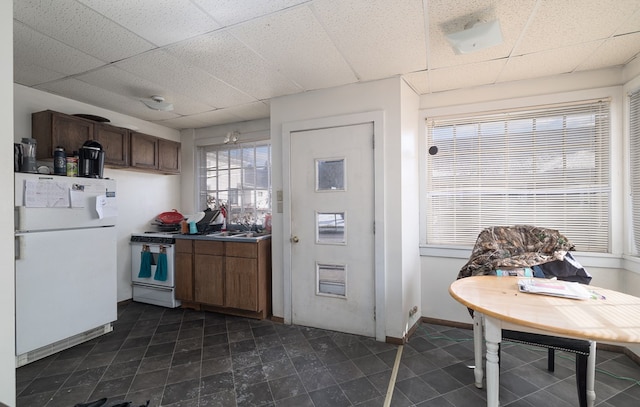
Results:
<point x="221" y="61"/>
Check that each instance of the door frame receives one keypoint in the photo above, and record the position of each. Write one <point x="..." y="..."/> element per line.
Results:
<point x="377" y="118"/>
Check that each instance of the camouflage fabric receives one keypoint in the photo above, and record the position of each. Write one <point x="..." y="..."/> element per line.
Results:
<point x="504" y="247"/>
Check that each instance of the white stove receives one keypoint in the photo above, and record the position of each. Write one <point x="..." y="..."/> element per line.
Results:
<point x="149" y="285"/>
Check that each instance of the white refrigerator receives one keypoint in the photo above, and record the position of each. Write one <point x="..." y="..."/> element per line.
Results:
<point x="65" y="265"/>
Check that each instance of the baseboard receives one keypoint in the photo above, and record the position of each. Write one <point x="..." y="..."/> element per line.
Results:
<point x="279" y="320"/>
<point x="401" y="341"/>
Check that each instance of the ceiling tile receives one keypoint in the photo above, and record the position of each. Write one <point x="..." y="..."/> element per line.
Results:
<point x="162" y="68"/>
<point x="632" y="24"/>
<point x="226" y="58"/>
<point x="80" y="27"/>
<point x="134" y="87"/>
<point x="466" y="76"/>
<point x="199" y="120"/>
<point x="251" y="111"/>
<point x="297" y="45"/>
<point x="557" y="24"/>
<point x="229" y="12"/>
<point x="379" y="38"/>
<point x="553" y="62"/>
<point x="419" y="81"/>
<point x="615" y="51"/>
<point x="31" y="47"/>
<point x="93" y="95"/>
<point x="160" y="22"/>
<point x="29" y="74"/>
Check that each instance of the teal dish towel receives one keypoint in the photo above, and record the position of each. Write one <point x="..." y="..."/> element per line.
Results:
<point x="145" y="265"/>
<point x="161" y="268"/>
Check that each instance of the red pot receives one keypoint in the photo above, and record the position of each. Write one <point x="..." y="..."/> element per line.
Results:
<point x="170" y="218"/>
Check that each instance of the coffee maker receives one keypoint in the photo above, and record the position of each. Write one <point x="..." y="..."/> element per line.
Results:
<point x="91" y="160"/>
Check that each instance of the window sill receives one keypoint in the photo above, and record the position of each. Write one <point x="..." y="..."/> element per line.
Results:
<point x="587" y="259"/>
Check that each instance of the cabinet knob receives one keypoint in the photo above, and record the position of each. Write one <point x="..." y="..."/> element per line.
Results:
<point x="294" y="239"/>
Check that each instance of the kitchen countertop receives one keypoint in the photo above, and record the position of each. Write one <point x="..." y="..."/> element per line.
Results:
<point x="227" y="237"/>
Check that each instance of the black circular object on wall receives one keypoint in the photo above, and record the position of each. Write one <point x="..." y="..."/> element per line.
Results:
<point x="433" y="150"/>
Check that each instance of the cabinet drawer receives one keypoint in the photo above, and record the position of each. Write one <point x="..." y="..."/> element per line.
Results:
<point x="184" y="246"/>
<point x="212" y="248"/>
<point x="248" y="250"/>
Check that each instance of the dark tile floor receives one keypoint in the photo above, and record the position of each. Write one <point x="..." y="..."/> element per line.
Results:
<point x="186" y="358"/>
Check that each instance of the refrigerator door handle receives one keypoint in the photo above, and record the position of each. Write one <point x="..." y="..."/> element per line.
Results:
<point x="17" y="244"/>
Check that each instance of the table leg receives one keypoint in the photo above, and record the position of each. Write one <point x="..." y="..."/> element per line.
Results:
<point x="591" y="373"/>
<point x="493" y="336"/>
<point x="478" y="370"/>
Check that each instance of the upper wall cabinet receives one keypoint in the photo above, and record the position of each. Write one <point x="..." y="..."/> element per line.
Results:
<point x="144" y="151"/>
<point x="52" y="129"/>
<point x="123" y="148"/>
<point x="169" y="156"/>
<point x="115" y="143"/>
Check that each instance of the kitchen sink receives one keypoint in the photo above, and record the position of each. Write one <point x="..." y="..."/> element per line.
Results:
<point x="238" y="234"/>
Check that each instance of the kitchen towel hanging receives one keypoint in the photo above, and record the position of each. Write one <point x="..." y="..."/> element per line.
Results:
<point x="161" y="267"/>
<point x="145" y="262"/>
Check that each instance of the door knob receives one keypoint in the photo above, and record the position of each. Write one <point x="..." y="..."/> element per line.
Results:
<point x="294" y="239"/>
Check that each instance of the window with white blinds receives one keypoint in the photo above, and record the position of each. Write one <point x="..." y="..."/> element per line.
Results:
<point x="634" y="162"/>
<point x="544" y="166"/>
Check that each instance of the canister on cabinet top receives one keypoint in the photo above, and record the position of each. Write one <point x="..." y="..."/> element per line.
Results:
<point x="72" y="166"/>
<point x="59" y="161"/>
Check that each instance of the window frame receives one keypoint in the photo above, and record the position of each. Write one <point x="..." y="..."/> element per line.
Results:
<point x="200" y="170"/>
<point x="485" y="103"/>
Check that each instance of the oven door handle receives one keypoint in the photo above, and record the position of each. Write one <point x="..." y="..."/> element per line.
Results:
<point x="157" y="248"/>
<point x="155" y="287"/>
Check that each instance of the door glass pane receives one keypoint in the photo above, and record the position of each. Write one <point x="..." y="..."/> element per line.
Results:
<point x="330" y="175"/>
<point x="330" y="228"/>
<point x="332" y="279"/>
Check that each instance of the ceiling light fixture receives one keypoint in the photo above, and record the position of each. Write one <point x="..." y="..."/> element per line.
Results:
<point x="231" y="137"/>
<point x="157" y="103"/>
<point x="476" y="36"/>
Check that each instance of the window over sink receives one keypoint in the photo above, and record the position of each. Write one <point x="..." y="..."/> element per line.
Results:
<point x="237" y="176"/>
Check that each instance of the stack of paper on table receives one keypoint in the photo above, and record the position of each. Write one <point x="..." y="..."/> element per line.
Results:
<point x="556" y="288"/>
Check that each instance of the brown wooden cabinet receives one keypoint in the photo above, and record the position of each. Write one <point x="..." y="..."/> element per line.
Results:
<point x="52" y="129"/>
<point x="122" y="147"/>
<point x="241" y="287"/>
<point x="169" y="156"/>
<point x="208" y="272"/>
<point x="144" y="151"/>
<point x="223" y="276"/>
<point x="115" y="143"/>
<point x="184" y="270"/>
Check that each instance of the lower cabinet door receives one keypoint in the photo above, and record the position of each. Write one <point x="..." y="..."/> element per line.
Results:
<point x="184" y="276"/>
<point x="209" y="279"/>
<point x="241" y="285"/>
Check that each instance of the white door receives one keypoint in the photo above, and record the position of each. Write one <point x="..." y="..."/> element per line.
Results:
<point x="332" y="229"/>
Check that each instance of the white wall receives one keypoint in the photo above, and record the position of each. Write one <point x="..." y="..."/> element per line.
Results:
<point x="410" y="198"/>
<point x="7" y="299"/>
<point x="141" y="196"/>
<point x="400" y="246"/>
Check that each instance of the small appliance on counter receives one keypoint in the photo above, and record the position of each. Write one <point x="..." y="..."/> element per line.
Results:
<point x="91" y="160"/>
<point x="24" y="156"/>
